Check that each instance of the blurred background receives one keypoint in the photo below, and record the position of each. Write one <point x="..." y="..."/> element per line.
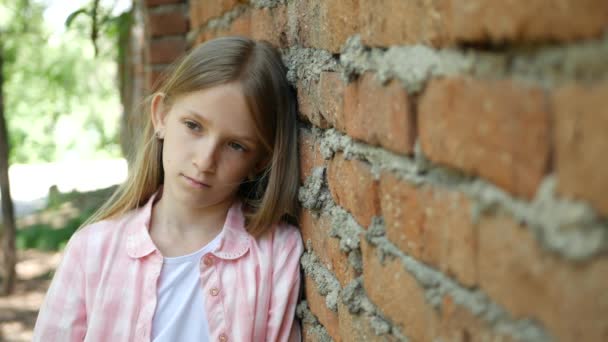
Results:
<point x="61" y="110"/>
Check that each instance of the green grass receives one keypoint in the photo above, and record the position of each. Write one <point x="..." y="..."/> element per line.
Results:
<point x="43" y="236"/>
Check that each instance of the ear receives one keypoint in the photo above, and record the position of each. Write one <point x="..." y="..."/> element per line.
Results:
<point x="158" y="113"/>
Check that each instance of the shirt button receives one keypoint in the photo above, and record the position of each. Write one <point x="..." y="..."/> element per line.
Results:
<point x="223" y="338"/>
<point x="214" y="291"/>
<point x="208" y="260"/>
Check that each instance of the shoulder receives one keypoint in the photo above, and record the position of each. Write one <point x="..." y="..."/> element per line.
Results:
<point x="99" y="234"/>
<point x="287" y="233"/>
<point x="283" y="237"/>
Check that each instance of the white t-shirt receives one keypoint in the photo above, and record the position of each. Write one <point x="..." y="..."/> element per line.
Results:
<point x="180" y="311"/>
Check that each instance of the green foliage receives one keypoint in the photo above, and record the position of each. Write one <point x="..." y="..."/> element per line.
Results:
<point x="61" y="101"/>
<point x="47" y="238"/>
<point x="43" y="236"/>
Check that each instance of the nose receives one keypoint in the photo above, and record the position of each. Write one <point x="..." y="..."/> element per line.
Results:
<point x="206" y="155"/>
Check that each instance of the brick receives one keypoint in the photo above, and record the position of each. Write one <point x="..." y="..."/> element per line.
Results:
<point x="316" y="232"/>
<point x="166" y="50"/>
<point x="403" y="214"/>
<point x="200" y="38"/>
<point x="526" y="20"/>
<point x="383" y="23"/>
<point x="326" y="24"/>
<point x="378" y="114"/>
<point x="202" y="11"/>
<point x="270" y="24"/>
<point x="580" y="140"/>
<point x="316" y="303"/>
<point x="155" y="75"/>
<point x="331" y="97"/>
<point x="397" y="294"/>
<point x="308" y="333"/>
<point x="167" y="23"/>
<point x="309" y="106"/>
<point x="310" y="155"/>
<point x="458" y="324"/>
<point x="431" y="224"/>
<point x="240" y="26"/>
<point x="496" y="129"/>
<point x="397" y="22"/>
<point x="567" y="298"/>
<point x="357" y="327"/>
<point x="194" y="10"/>
<point x="325" y="247"/>
<point x="354" y="188"/>
<point x="322" y="102"/>
<point x="152" y="3"/>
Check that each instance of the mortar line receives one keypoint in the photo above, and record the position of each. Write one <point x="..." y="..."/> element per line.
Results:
<point x="374" y="314"/>
<point x="414" y="65"/>
<point x="306" y="316"/>
<point x="570" y="228"/>
<point x="436" y="284"/>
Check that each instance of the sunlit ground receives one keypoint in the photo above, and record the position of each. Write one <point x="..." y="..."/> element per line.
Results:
<point x="18" y="312"/>
<point x="30" y="185"/>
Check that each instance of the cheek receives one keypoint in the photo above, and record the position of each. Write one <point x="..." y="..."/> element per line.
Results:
<point x="238" y="167"/>
<point x="172" y="153"/>
<point x="166" y="158"/>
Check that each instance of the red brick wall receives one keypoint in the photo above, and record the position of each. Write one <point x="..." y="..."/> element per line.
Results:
<point x="167" y="25"/>
<point x="453" y="156"/>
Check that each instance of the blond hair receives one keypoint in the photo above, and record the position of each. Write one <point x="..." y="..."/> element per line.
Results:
<point x="257" y="66"/>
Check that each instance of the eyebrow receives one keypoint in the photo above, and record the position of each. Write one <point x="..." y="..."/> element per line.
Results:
<point x="200" y="117"/>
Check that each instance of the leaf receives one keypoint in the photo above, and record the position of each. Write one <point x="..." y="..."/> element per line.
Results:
<point x="73" y="16"/>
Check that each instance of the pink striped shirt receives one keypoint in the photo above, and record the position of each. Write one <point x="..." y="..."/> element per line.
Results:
<point x="105" y="286"/>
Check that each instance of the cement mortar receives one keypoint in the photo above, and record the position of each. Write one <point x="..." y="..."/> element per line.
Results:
<point x="266" y="3"/>
<point x="344" y="227"/>
<point x="436" y="285"/>
<point x="225" y="20"/>
<point x="571" y="229"/>
<point x="311" y="194"/>
<point x="327" y="284"/>
<point x="355" y="261"/>
<point x="315" y="328"/>
<point x="414" y="65"/>
<point x="354" y="298"/>
<point x="306" y="64"/>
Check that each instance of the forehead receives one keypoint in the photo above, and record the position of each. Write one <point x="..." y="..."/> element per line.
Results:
<point x="223" y="107"/>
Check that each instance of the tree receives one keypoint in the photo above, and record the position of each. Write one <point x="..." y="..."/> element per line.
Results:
<point x="9" y="256"/>
<point x="56" y="99"/>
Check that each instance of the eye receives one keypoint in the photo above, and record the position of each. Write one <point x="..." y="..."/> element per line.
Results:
<point x="192" y="125"/>
<point x="236" y="146"/>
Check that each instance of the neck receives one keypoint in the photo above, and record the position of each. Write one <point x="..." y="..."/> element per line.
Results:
<point x="185" y="221"/>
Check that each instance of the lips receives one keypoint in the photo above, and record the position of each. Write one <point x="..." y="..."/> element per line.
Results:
<point x="196" y="183"/>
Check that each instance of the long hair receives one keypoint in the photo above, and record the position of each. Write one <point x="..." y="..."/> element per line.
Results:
<point x="257" y="66"/>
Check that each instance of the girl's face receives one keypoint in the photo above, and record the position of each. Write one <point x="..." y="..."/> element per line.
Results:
<point x="210" y="145"/>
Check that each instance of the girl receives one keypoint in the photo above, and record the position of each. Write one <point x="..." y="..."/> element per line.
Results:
<point x="194" y="246"/>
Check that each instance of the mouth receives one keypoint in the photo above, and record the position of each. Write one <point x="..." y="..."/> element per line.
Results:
<point x="196" y="183"/>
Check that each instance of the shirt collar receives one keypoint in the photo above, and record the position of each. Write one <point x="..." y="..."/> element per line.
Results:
<point x="234" y="238"/>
